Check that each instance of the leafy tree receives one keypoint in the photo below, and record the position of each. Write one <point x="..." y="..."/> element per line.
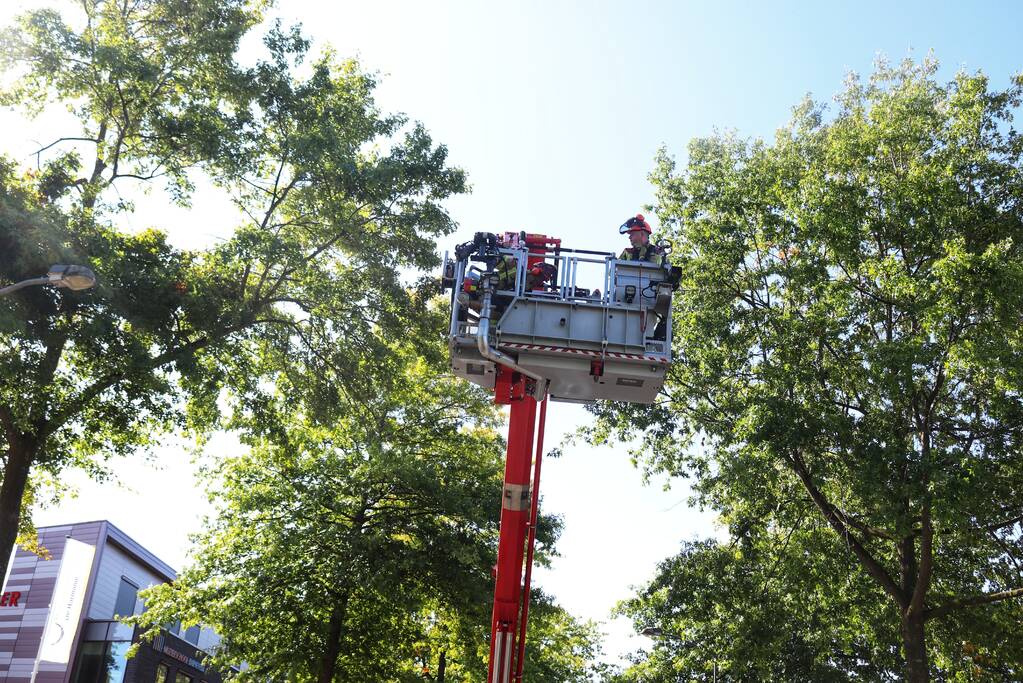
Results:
<point x="753" y="610"/>
<point x="560" y="648"/>
<point x="849" y="353"/>
<point x="342" y="553"/>
<point x="337" y="197"/>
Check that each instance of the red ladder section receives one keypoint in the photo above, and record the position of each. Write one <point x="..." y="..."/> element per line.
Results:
<point x="519" y="510"/>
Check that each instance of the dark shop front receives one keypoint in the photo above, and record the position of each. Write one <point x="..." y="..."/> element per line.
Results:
<point x="59" y="615"/>
<point x="167" y="659"/>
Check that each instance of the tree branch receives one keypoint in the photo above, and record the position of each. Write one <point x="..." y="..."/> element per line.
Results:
<point x="107" y="381"/>
<point x="872" y="566"/>
<point x="998" y="525"/>
<point x="57" y="142"/>
<point x="973" y="601"/>
<point x="863" y="528"/>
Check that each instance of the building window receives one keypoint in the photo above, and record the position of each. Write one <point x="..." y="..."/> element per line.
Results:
<point x="192" y="635"/>
<point x="182" y="678"/>
<point x="161" y="673"/>
<point x="90" y="662"/>
<point x="127" y="594"/>
<point x="101" y="663"/>
<point x="117" y="662"/>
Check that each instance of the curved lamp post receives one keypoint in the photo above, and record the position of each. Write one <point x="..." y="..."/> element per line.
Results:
<point x="657" y="632"/>
<point x="73" y="277"/>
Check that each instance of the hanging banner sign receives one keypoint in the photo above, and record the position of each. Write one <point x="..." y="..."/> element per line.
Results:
<point x="66" y="604"/>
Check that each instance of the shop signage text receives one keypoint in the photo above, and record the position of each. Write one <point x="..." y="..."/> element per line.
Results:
<point x="184" y="659"/>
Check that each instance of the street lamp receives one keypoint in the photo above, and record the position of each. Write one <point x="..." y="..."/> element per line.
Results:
<point x="75" y="278"/>
<point x="658" y="632"/>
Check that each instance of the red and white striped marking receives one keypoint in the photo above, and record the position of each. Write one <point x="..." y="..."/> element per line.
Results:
<point x="585" y="352"/>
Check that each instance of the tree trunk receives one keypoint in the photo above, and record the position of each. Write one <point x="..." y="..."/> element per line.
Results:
<point x="914" y="644"/>
<point x="332" y="646"/>
<point x="20" y="453"/>
<point x="442" y="664"/>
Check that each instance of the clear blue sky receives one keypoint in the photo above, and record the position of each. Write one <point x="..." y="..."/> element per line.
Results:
<point x="556" y="110"/>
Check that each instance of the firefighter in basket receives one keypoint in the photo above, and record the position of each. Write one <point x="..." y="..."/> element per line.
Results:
<point x="642" y="249"/>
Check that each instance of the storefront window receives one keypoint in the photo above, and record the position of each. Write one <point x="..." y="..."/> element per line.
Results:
<point x="182" y="678"/>
<point x="161" y="673"/>
<point x="101" y="663"/>
<point x="117" y="661"/>
<point x="90" y="663"/>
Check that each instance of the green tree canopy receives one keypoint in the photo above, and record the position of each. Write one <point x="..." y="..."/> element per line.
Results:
<point x="335" y="551"/>
<point x="559" y="647"/>
<point x="757" y="610"/>
<point x="850" y="352"/>
<point x="336" y="196"/>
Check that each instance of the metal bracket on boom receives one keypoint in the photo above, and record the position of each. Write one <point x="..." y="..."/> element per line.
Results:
<point x="509" y="386"/>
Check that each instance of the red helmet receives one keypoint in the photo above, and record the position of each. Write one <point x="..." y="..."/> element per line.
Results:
<point x="637" y="222"/>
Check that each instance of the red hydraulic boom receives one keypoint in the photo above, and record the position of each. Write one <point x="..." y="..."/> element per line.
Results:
<point x="518" y="522"/>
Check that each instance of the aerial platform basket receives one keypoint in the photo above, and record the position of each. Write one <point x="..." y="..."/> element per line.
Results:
<point x="608" y="340"/>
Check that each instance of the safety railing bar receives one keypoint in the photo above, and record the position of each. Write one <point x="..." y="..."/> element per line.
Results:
<point x="585" y="251"/>
<point x="563" y="277"/>
<point x="577" y="259"/>
<point x="568" y="263"/>
<point x="456" y="286"/>
<point x="608" y="270"/>
<point x="552" y="254"/>
<point x="565" y="253"/>
<point x="557" y="257"/>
